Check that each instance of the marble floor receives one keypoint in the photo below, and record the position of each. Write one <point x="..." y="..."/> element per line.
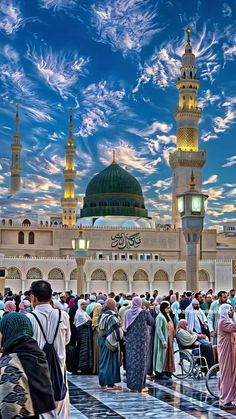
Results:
<point x="176" y="399"/>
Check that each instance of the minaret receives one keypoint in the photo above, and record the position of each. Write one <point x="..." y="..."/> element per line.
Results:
<point x="187" y="157"/>
<point x="16" y="163"/>
<point x="69" y="201"/>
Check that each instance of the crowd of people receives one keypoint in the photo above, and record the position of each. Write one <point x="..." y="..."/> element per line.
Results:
<point x="45" y="334"/>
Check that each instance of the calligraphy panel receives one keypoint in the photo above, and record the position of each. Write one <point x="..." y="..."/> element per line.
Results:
<point x="126" y="240"/>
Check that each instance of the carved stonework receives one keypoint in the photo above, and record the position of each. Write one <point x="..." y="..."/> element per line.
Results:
<point x="98" y="275"/>
<point x="34" y="273"/>
<point x="234" y="267"/>
<point x="56" y="274"/>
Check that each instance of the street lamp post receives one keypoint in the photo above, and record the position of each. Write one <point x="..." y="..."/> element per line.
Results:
<point x="192" y="207"/>
<point x="80" y="245"/>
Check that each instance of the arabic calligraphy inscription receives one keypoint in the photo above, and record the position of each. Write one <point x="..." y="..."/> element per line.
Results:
<point x="125" y="240"/>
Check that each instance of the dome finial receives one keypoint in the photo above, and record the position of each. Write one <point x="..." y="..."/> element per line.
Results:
<point x="188" y="31"/>
<point x="114" y="157"/>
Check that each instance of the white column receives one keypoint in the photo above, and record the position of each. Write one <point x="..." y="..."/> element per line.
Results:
<point x="130" y="289"/>
<point x="108" y="287"/>
<point x="150" y="287"/>
<point x="88" y="286"/>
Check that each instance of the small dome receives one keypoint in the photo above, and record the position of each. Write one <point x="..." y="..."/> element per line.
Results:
<point x="130" y="223"/>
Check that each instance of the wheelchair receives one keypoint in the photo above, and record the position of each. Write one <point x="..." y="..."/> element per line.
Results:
<point x="189" y="363"/>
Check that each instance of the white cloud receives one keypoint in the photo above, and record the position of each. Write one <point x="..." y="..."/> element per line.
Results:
<point x="232" y="192"/>
<point x="60" y="71"/>
<point x="154" y="145"/>
<point x="214" y="193"/>
<point x="11" y="18"/>
<point x="40" y="183"/>
<point x="226" y="10"/>
<point x="157" y="126"/>
<point x="222" y="124"/>
<point x="99" y="101"/>
<point x="228" y="208"/>
<point x="231" y="161"/>
<point x="207" y="136"/>
<point x="125" y="25"/>
<point x="58" y="5"/>
<point x="211" y="179"/>
<point x="163" y="183"/>
<point x="127" y="156"/>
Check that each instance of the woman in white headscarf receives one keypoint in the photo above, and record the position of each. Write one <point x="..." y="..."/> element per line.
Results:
<point x="226" y="345"/>
<point x="84" y="353"/>
<point x="196" y="318"/>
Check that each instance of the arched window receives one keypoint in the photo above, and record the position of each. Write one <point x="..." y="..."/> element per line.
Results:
<point x="161" y="275"/>
<point x="73" y="275"/>
<point x="56" y="273"/>
<point x="26" y="222"/>
<point x="10" y="222"/>
<point x="102" y="204"/>
<point x="203" y="275"/>
<point x="140" y="275"/>
<point x="31" y="237"/>
<point x="13" y="273"/>
<point x="119" y="275"/>
<point x="21" y="238"/>
<point x="180" y="275"/>
<point x="136" y="204"/>
<point x="98" y="275"/>
<point x="34" y="273"/>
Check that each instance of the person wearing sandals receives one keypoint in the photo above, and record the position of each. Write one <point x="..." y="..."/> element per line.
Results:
<point x="110" y="335"/>
<point x="137" y="345"/>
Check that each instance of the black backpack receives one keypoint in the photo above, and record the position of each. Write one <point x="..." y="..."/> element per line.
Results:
<point x="57" y="379"/>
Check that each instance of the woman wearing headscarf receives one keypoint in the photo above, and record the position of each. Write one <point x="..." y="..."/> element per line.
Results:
<point x="9" y="307"/>
<point x="26" y="389"/>
<point x="163" y="354"/>
<point x="96" y="313"/>
<point x="193" y="340"/>
<point x="137" y="339"/>
<point x="226" y="345"/>
<point x="110" y="335"/>
<point x="24" y="306"/>
<point x="84" y="351"/>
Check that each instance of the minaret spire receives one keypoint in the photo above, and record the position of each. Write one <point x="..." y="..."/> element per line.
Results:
<point x="16" y="161"/>
<point x="187" y="156"/>
<point x="69" y="201"/>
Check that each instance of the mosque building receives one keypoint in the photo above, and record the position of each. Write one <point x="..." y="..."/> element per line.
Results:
<point x="128" y="252"/>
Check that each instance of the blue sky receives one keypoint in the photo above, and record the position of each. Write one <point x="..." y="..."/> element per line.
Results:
<point x="115" y="62"/>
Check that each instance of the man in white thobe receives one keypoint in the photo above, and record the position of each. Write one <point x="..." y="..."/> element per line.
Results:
<point x="41" y="295"/>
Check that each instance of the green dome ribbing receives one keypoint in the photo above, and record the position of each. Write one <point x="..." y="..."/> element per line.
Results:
<point x="114" y="179"/>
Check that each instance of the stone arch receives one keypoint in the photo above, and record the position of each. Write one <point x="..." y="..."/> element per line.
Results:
<point x="119" y="275"/>
<point x="204" y="275"/>
<point x="140" y="275"/>
<point x="31" y="237"/>
<point x="34" y="273"/>
<point x="26" y="222"/>
<point x="13" y="273"/>
<point x="73" y="275"/>
<point x="99" y="275"/>
<point x="180" y="275"/>
<point x="21" y="237"/>
<point x="56" y="273"/>
<point x="161" y="275"/>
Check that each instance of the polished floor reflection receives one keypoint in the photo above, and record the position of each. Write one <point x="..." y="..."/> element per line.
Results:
<point x="176" y="399"/>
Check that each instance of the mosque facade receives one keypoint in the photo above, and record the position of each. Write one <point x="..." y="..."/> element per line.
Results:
<point x="128" y="252"/>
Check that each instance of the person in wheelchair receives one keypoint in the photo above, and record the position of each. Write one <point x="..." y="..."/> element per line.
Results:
<point x="198" y="342"/>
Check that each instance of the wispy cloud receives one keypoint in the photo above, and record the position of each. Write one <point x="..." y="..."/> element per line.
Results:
<point x="11" y="18"/>
<point x="58" y="5"/>
<point x="155" y="127"/>
<point x="223" y="124"/>
<point x="99" y="101"/>
<point x="231" y="161"/>
<point x="127" y="156"/>
<point x="127" y="25"/>
<point x="211" y="179"/>
<point x="59" y="70"/>
<point x="226" y="10"/>
<point x="215" y="193"/>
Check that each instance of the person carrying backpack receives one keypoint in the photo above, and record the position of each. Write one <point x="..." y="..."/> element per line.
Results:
<point x="51" y="330"/>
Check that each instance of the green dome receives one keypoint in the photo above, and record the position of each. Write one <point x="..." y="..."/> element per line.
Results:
<point x="113" y="192"/>
<point x="114" y="179"/>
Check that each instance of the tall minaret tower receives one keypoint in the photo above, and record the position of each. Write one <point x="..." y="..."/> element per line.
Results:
<point x="16" y="163"/>
<point x="187" y="157"/>
<point x="69" y="201"/>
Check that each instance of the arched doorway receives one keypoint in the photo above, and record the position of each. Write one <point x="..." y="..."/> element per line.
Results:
<point x="98" y="281"/>
<point x="33" y="274"/>
<point x="140" y="281"/>
<point x="180" y="281"/>
<point x="161" y="282"/>
<point x="56" y="278"/>
<point x="13" y="279"/>
<point x="119" y="281"/>
<point x="204" y="280"/>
